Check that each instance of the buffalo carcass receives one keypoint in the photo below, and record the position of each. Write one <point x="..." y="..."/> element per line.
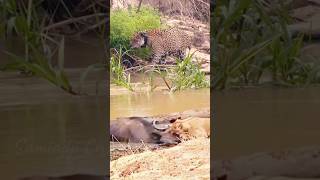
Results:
<point x="143" y="129"/>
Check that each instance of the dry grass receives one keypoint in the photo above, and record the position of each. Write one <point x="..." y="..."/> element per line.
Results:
<point x="197" y="9"/>
<point x="188" y="160"/>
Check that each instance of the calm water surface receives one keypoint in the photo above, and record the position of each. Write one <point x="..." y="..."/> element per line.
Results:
<point x="156" y="103"/>
<point x="45" y="131"/>
<point x="265" y="119"/>
<point x="54" y="138"/>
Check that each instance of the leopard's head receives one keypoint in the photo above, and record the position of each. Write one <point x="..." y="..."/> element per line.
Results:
<point x="139" y="40"/>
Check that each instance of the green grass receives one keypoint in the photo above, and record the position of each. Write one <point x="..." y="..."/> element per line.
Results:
<point x="117" y="71"/>
<point x="124" y="23"/>
<point x="37" y="64"/>
<point x="28" y="21"/>
<point x="187" y="75"/>
<point x="249" y="43"/>
<point x="25" y="23"/>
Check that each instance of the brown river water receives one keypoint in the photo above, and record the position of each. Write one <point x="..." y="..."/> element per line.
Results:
<point x="47" y="132"/>
<point x="157" y="103"/>
<point x="53" y="138"/>
<point x="265" y="119"/>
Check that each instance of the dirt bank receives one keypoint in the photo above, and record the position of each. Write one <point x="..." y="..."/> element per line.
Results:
<point x="200" y="32"/>
<point x="190" y="159"/>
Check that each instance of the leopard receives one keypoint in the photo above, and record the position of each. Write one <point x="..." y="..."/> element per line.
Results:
<point x="163" y="43"/>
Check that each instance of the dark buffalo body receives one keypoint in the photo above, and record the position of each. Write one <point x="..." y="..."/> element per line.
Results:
<point x="142" y="129"/>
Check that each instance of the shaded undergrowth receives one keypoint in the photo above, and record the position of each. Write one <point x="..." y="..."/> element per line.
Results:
<point x="251" y="42"/>
<point x="36" y="24"/>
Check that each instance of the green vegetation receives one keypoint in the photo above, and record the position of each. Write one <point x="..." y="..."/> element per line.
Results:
<point x="251" y="42"/>
<point x="30" y="22"/>
<point x="26" y="23"/>
<point x="124" y="23"/>
<point x="37" y="64"/>
<point x="187" y="75"/>
<point x="117" y="71"/>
